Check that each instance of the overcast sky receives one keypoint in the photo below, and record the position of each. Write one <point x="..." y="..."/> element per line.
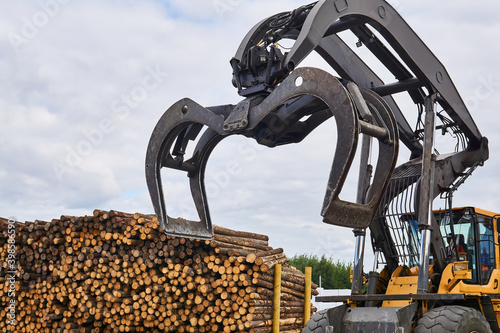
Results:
<point x="84" y="83"/>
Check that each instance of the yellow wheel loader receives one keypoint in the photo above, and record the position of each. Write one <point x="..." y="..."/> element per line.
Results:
<point x="439" y="269"/>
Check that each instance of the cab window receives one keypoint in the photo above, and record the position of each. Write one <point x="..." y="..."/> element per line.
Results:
<point x="463" y="245"/>
<point x="486" y="247"/>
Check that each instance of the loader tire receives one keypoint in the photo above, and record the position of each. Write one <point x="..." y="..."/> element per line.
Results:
<point x="453" y="319"/>
<point x="317" y="323"/>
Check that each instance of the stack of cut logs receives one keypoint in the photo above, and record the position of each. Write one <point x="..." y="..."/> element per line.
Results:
<point x="117" y="272"/>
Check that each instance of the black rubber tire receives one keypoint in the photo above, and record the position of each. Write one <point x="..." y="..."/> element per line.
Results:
<point x="453" y="319"/>
<point x="317" y="323"/>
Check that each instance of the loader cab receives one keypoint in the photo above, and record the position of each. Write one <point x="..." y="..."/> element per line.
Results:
<point x="471" y="235"/>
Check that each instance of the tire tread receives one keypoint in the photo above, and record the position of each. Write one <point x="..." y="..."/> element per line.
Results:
<point x="317" y="323"/>
<point x="448" y="319"/>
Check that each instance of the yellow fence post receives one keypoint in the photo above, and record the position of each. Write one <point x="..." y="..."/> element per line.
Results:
<point x="276" y="298"/>
<point x="307" y="295"/>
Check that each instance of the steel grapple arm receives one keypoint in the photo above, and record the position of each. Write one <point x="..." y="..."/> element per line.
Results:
<point x="282" y="103"/>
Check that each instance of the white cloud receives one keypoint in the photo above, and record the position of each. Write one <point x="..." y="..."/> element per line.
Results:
<point x="69" y="84"/>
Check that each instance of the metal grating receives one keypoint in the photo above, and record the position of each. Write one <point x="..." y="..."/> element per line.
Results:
<point x="398" y="212"/>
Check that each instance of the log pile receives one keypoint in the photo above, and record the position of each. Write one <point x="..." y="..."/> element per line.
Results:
<point x="117" y="272"/>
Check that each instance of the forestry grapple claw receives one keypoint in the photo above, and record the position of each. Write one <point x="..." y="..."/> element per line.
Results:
<point x="275" y="118"/>
<point x="282" y="103"/>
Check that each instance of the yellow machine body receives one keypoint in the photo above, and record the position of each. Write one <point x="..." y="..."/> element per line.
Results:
<point x="469" y="275"/>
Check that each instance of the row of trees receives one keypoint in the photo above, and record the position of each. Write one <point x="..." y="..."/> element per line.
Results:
<point x="334" y="275"/>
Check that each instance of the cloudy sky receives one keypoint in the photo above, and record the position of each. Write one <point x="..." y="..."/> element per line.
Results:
<point x="84" y="83"/>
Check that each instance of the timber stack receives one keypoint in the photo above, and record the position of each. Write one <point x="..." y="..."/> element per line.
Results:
<point x="118" y="272"/>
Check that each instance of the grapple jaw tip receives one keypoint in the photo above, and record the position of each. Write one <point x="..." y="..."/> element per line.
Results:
<point x="181" y="123"/>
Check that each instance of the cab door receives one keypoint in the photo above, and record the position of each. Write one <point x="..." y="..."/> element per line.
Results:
<point x="487" y="252"/>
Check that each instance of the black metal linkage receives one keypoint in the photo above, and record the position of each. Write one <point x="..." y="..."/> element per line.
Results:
<point x="395" y="297"/>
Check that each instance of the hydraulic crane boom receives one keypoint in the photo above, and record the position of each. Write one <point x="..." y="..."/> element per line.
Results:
<point x="315" y="28"/>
